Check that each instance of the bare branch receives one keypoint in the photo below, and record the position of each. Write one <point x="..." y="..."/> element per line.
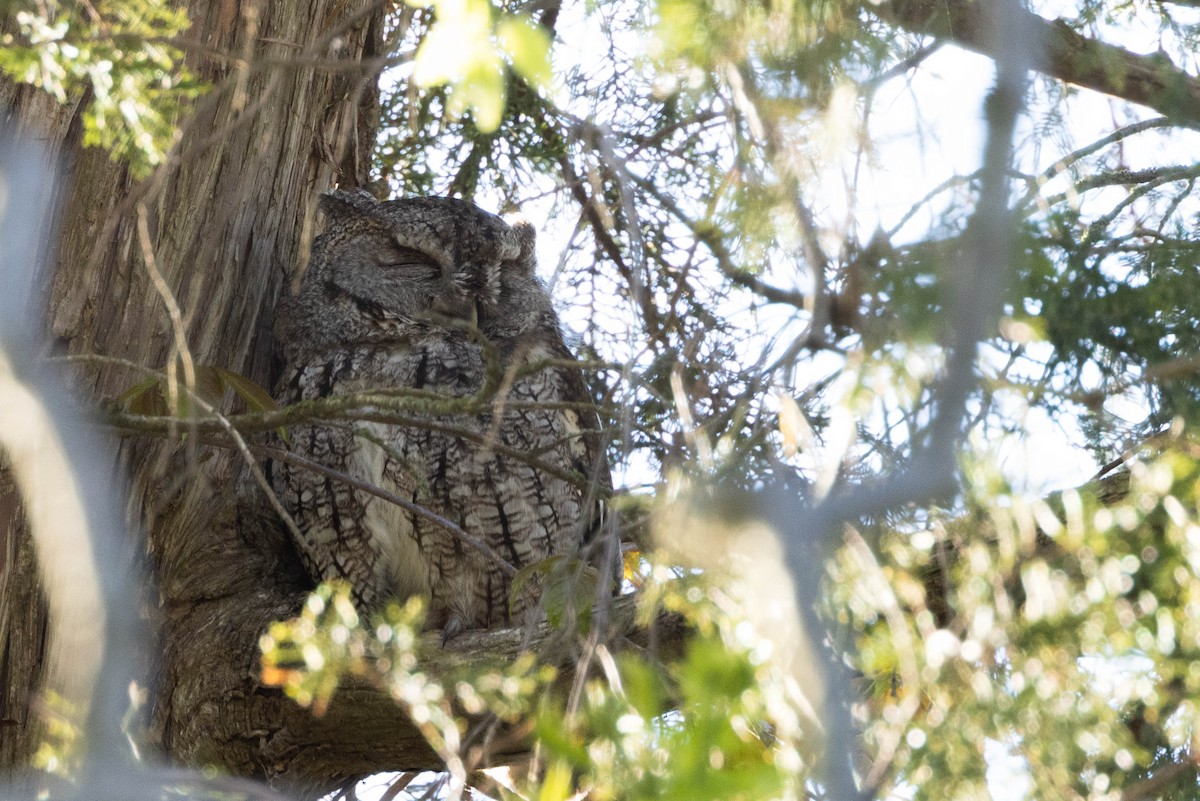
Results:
<point x="1151" y="81"/>
<point x="810" y="532"/>
<point x="746" y="90"/>
<point x="1163" y="778"/>
<point x="715" y="242"/>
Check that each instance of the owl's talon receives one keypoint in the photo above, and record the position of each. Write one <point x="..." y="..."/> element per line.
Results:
<point x="454" y="627"/>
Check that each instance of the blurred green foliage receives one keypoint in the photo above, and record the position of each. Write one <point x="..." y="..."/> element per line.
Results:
<point x="118" y="59"/>
<point x="698" y="727"/>
<point x="1061" y="633"/>
<point x="467" y="49"/>
<point x="60" y="751"/>
<point x="1068" y="638"/>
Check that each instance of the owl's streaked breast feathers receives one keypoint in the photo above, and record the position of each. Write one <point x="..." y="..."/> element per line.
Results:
<point x="418" y="294"/>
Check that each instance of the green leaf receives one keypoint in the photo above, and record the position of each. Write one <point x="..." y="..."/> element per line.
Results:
<point x="559" y="737"/>
<point x="256" y="398"/>
<point x="528" y="48"/>
<point x="643" y="686"/>
<point x="556" y="786"/>
<point x="467" y="52"/>
<point x="482" y="93"/>
<point x="568" y="587"/>
<point x="144" y="398"/>
<point x="526" y="574"/>
<point x="209" y="385"/>
<point x="137" y="390"/>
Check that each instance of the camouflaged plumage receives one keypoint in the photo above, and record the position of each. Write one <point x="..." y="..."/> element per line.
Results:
<point x="415" y="300"/>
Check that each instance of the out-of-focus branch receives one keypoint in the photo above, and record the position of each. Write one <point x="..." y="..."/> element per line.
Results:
<point x="59" y="525"/>
<point x="809" y="532"/>
<point x="69" y="493"/>
<point x="749" y="97"/>
<point x="1162" y="779"/>
<point x="71" y="499"/>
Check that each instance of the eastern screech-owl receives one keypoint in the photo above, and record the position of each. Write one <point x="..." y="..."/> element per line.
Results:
<point x="428" y="300"/>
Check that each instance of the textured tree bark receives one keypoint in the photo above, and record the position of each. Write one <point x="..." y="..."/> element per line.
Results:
<point x="23" y="615"/>
<point x="229" y="218"/>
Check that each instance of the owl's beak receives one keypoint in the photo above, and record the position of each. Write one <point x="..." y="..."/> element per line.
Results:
<point x="463" y="309"/>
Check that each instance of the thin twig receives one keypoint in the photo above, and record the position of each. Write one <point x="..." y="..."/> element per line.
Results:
<point x="255" y="471"/>
<point x="180" y="346"/>
<point x="396" y="787"/>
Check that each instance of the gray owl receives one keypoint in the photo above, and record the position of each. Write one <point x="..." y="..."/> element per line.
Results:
<point x="431" y="301"/>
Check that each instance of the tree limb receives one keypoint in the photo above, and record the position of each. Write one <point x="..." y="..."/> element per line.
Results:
<point x="1161" y="780"/>
<point x="217" y="712"/>
<point x="1152" y="81"/>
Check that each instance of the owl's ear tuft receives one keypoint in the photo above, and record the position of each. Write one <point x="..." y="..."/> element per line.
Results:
<point x="341" y="204"/>
<point x="525" y="236"/>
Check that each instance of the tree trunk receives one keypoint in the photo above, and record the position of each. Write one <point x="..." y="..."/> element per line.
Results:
<point x="23" y="615"/>
<point x="291" y="113"/>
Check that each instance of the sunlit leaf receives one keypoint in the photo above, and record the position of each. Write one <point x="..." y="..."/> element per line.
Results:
<point x="528" y="49"/>
<point x="556" y="786"/>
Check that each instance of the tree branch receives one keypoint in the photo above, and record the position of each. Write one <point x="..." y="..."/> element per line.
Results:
<point x="221" y="714"/>
<point x="1161" y="780"/>
<point x="1152" y="81"/>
